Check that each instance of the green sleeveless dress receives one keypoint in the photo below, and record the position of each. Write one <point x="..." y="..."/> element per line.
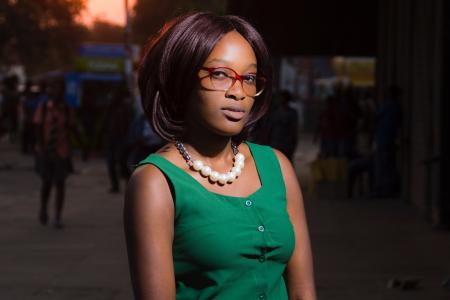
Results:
<point x="225" y="247"/>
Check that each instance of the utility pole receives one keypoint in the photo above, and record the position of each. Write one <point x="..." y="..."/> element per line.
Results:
<point x="129" y="70"/>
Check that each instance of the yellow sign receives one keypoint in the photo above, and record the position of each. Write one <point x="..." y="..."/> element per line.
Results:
<point x="359" y="70"/>
<point x="100" y="64"/>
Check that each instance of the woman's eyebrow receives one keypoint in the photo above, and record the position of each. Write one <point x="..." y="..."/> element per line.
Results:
<point x="218" y="60"/>
<point x="223" y="61"/>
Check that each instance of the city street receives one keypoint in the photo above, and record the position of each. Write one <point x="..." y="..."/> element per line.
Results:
<point x="359" y="87"/>
<point x="358" y="245"/>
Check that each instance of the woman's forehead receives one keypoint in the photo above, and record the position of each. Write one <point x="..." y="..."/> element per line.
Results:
<point x="233" y="50"/>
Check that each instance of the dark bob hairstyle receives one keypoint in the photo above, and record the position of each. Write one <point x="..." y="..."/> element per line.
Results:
<point x="168" y="72"/>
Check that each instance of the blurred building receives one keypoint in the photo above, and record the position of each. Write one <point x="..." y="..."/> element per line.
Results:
<point x="414" y="53"/>
<point x="411" y="43"/>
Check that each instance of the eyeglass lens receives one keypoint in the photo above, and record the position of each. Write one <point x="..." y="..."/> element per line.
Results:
<point x="223" y="79"/>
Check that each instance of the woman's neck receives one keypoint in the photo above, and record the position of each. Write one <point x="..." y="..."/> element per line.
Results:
<point x="209" y="146"/>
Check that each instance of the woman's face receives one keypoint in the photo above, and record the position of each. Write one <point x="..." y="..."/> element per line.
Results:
<point x="224" y="112"/>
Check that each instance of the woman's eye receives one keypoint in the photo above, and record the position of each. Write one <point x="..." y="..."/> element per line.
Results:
<point x="250" y="79"/>
<point x="219" y="74"/>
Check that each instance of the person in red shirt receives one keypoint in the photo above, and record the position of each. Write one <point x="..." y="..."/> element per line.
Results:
<point x="52" y="121"/>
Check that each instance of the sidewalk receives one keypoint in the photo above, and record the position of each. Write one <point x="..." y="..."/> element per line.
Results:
<point x="85" y="260"/>
<point x="358" y="245"/>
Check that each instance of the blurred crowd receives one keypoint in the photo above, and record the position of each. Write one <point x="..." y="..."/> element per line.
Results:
<point x="39" y="119"/>
<point x="365" y="134"/>
<point x="358" y="138"/>
<point x="352" y="128"/>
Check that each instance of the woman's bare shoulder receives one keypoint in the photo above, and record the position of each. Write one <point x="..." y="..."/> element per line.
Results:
<point x="285" y="163"/>
<point x="287" y="169"/>
<point x="149" y="174"/>
<point x="147" y="183"/>
<point x="171" y="153"/>
<point x="146" y="174"/>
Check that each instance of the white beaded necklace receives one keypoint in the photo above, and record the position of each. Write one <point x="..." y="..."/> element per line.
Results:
<point x="207" y="171"/>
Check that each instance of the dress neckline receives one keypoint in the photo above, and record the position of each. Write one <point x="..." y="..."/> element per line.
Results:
<point x="204" y="189"/>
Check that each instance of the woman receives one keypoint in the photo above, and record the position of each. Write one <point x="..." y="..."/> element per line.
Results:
<point x="210" y="215"/>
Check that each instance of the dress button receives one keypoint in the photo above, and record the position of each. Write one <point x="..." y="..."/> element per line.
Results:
<point x="262" y="296"/>
<point x="262" y="258"/>
<point x="248" y="203"/>
<point x="261" y="228"/>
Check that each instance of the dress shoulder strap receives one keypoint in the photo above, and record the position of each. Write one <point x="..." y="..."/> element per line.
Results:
<point x="174" y="175"/>
<point x="168" y="168"/>
<point x="268" y="167"/>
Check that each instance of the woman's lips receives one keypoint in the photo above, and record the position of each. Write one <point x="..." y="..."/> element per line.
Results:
<point x="233" y="113"/>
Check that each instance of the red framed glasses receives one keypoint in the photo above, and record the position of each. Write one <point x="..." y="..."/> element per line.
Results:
<point x="223" y="79"/>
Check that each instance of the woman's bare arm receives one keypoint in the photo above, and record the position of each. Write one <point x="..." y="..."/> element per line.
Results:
<point x="148" y="222"/>
<point x="299" y="271"/>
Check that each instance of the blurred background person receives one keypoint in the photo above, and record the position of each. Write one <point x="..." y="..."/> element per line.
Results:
<point x="388" y="120"/>
<point x="88" y="115"/>
<point x="10" y="106"/>
<point x="360" y="166"/>
<point x="142" y="140"/>
<point x="328" y="127"/>
<point x="29" y="102"/>
<point x="347" y="119"/>
<point x="2" y="120"/>
<point x="53" y="121"/>
<point x="117" y="124"/>
<point x="283" y="124"/>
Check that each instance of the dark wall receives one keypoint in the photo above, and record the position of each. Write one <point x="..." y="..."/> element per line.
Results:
<point x="314" y="27"/>
<point x="445" y="119"/>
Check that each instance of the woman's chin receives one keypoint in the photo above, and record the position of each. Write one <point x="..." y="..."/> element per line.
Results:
<point x="229" y="130"/>
<point x="219" y="126"/>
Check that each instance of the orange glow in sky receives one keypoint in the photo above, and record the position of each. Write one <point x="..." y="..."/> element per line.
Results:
<point x="109" y="10"/>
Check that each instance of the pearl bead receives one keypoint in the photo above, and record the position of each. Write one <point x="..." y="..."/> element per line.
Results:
<point x="231" y="176"/>
<point x="205" y="170"/>
<point x="214" y="176"/>
<point x="223" y="179"/>
<point x="239" y="164"/>
<point x="236" y="170"/>
<point x="239" y="157"/>
<point x="197" y="165"/>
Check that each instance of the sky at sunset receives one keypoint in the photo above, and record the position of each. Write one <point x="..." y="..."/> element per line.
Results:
<point x="108" y="10"/>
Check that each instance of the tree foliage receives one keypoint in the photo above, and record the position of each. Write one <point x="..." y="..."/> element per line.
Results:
<point x="41" y="34"/>
<point x="150" y="15"/>
<point x="105" y="32"/>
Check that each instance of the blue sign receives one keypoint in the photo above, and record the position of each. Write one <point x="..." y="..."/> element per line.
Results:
<point x="103" y="50"/>
<point x="73" y="84"/>
<point x="101" y="77"/>
<point x="72" y="92"/>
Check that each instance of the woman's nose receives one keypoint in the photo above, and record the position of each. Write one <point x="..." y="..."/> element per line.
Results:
<point x="236" y="91"/>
